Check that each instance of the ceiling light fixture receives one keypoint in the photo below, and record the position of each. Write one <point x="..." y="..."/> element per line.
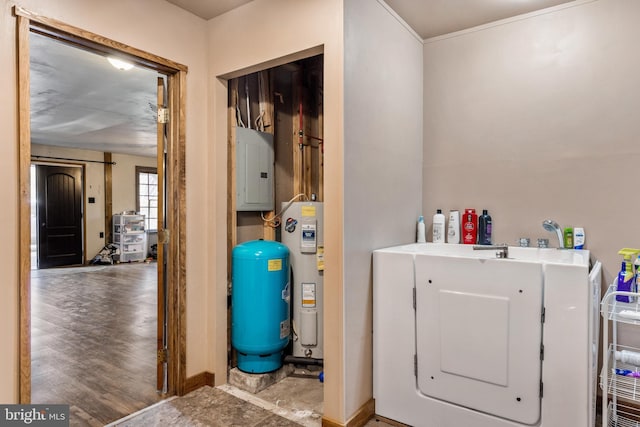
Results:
<point x="120" y="64"/>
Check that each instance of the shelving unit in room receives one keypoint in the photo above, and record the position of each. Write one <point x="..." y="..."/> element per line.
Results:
<point x="130" y="236"/>
<point x="614" y="386"/>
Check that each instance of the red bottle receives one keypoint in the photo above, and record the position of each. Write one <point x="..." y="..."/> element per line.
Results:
<point x="469" y="227"/>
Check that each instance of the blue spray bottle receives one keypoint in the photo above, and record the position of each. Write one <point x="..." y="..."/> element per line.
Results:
<point x="626" y="279"/>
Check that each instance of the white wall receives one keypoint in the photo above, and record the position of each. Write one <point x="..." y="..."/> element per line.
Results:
<point x="259" y="35"/>
<point x="153" y="26"/>
<point x="538" y="118"/>
<point x="382" y="166"/>
<point x="383" y="131"/>
<point x="124" y="180"/>
<point x="123" y="187"/>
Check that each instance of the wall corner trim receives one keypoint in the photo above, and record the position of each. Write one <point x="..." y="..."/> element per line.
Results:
<point x="401" y="21"/>
<point x="199" y="380"/>
<point x="359" y="419"/>
<point x="506" y="21"/>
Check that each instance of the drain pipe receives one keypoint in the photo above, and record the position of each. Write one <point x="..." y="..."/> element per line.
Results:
<point x="303" y="360"/>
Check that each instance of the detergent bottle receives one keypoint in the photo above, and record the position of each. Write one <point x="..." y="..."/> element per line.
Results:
<point x="484" y="228"/>
<point x="438" y="227"/>
<point x="636" y="272"/>
<point x="453" y="234"/>
<point x="626" y="279"/>
<point x="470" y="227"/>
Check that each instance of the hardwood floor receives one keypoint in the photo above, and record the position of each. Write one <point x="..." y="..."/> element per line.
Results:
<point x="94" y="340"/>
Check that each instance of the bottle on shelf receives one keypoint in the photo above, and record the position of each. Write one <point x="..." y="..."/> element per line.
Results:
<point x="626" y="279"/>
<point x="568" y="237"/>
<point x="636" y="273"/>
<point x="438" y="227"/>
<point x="578" y="238"/>
<point x="453" y="233"/>
<point x="420" y="233"/>
<point x="470" y="227"/>
<point x="484" y="228"/>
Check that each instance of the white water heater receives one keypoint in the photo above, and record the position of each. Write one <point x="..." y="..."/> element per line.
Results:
<point x="301" y="232"/>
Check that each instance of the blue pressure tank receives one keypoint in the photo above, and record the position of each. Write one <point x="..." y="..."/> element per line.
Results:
<point x="260" y="324"/>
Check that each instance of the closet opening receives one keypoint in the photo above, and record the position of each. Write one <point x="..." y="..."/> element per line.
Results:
<point x="276" y="194"/>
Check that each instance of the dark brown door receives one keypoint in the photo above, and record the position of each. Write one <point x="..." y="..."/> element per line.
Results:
<point x="59" y="197"/>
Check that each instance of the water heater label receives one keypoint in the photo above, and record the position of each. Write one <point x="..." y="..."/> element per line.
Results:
<point x="308" y="235"/>
<point x="308" y="211"/>
<point x="285" y="329"/>
<point x="308" y="295"/>
<point x="274" y="265"/>
<point x="320" y="258"/>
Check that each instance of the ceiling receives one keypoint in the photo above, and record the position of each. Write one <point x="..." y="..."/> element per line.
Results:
<point x="431" y="18"/>
<point x="78" y="100"/>
<point x="428" y="18"/>
<point x="207" y="9"/>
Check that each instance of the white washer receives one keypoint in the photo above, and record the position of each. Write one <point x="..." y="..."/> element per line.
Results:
<point x="462" y="338"/>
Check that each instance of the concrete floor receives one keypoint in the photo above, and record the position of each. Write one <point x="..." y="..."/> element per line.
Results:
<point x="297" y="400"/>
<point x="298" y="397"/>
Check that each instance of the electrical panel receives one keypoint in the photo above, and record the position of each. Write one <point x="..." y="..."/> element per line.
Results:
<point x="254" y="170"/>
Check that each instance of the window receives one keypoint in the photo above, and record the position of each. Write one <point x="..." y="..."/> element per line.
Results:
<point x="147" y="195"/>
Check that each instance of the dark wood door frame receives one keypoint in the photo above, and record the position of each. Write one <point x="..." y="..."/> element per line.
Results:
<point x="175" y="176"/>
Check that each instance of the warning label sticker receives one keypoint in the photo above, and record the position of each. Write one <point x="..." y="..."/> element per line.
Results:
<point x="308" y="295"/>
<point x="274" y="265"/>
<point x="308" y="211"/>
<point x="320" y="258"/>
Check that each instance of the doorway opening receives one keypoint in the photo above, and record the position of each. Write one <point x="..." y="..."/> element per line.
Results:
<point x="83" y="108"/>
<point x="276" y="177"/>
<point x="168" y="281"/>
